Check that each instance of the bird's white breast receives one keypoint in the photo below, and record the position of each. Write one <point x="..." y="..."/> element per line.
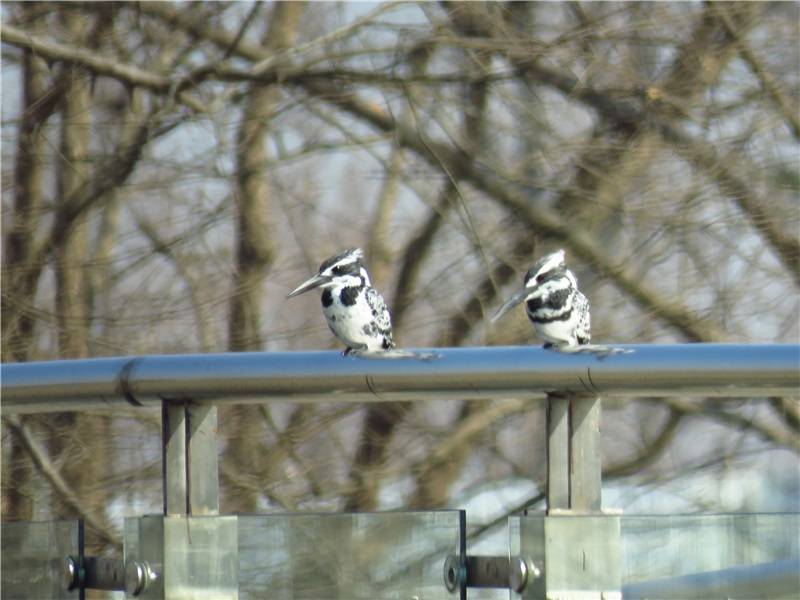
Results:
<point x="347" y="322"/>
<point x="558" y="332"/>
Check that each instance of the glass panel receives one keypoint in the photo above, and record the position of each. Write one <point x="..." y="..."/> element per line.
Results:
<point x="34" y="557"/>
<point x="192" y="557"/>
<point x="144" y="543"/>
<point x="667" y="557"/>
<point x="692" y="556"/>
<point x="394" y="555"/>
<point x="200" y="556"/>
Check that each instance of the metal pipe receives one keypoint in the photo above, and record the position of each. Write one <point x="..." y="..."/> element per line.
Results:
<point x="488" y="571"/>
<point x="93" y="573"/>
<point x="778" y="579"/>
<point x="722" y="370"/>
<point x="498" y="572"/>
<point x="104" y="573"/>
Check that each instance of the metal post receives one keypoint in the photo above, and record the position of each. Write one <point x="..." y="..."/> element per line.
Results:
<point x="203" y="483"/>
<point x="576" y="543"/>
<point x="557" y="452"/>
<point x="574" y="464"/>
<point x="585" y="463"/>
<point x="190" y="469"/>
<point x="173" y="458"/>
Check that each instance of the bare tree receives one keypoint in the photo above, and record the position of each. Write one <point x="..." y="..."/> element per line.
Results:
<point x="173" y="169"/>
<point x="19" y="324"/>
<point x="255" y="248"/>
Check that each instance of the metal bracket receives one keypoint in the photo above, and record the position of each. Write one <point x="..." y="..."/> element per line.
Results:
<point x="94" y="573"/>
<point x="579" y="555"/>
<point x="499" y="572"/>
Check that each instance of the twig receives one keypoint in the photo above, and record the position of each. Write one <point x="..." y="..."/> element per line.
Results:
<point x="787" y="108"/>
<point x="45" y="466"/>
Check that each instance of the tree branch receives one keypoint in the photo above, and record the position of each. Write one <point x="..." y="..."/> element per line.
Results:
<point x="650" y="453"/>
<point x="436" y="473"/>
<point x="712" y="410"/>
<point x="45" y="466"/>
<point x="788" y="409"/>
<point x="786" y="107"/>
<point x="97" y="63"/>
<point x="623" y="114"/>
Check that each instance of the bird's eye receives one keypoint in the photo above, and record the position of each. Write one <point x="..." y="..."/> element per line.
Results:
<point x="338" y="270"/>
<point x="540" y="278"/>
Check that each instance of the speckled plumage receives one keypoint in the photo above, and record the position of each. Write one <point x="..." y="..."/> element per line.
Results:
<point x="558" y="310"/>
<point x="354" y="310"/>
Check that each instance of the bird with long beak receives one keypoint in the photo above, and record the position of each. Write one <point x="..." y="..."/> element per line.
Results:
<point x="558" y="310"/>
<point x="354" y="310"/>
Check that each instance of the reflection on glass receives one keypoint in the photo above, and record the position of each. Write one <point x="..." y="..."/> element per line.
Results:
<point x="662" y="547"/>
<point x="34" y="555"/>
<point x="675" y="556"/>
<point x="144" y="543"/>
<point x="397" y="555"/>
<point x="192" y="557"/>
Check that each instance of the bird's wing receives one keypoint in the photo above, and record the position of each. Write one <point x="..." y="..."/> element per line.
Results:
<point x="380" y="313"/>
<point x="582" y="329"/>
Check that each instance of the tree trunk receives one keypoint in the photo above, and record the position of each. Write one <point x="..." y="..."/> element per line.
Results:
<point x="79" y="440"/>
<point x="17" y="320"/>
<point x="255" y="248"/>
<point x="19" y="289"/>
<point x="381" y="420"/>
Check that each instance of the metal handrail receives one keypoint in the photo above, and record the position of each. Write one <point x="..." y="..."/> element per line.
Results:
<point x="777" y="579"/>
<point x="718" y="370"/>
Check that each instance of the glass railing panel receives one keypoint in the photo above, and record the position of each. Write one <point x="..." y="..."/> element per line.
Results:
<point x="144" y="545"/>
<point x="34" y="557"/>
<point x="185" y="557"/>
<point x="662" y="556"/>
<point x="697" y="556"/>
<point x="201" y="555"/>
<point x="391" y="555"/>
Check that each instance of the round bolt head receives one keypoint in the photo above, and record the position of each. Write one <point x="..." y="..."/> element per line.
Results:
<point x="70" y="574"/>
<point x="452" y="573"/>
<point x="135" y="578"/>
<point x="518" y="574"/>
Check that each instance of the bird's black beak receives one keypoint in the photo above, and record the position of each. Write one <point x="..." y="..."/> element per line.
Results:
<point x="511" y="303"/>
<point x="314" y="282"/>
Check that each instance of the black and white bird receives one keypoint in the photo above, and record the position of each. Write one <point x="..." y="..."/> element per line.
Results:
<point x="355" y="311"/>
<point x="554" y="304"/>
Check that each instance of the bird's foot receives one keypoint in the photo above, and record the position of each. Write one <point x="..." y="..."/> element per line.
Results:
<point x="599" y="350"/>
<point x="394" y="353"/>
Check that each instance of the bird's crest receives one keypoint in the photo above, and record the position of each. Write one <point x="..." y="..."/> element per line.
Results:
<point x="351" y="255"/>
<point x="547" y="263"/>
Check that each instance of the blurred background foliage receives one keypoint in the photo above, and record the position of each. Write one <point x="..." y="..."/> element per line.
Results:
<point x="171" y="170"/>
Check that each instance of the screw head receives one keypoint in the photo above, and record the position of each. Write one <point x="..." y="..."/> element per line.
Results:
<point x="452" y="573"/>
<point x="518" y="574"/>
<point x="70" y="574"/>
<point x="136" y="577"/>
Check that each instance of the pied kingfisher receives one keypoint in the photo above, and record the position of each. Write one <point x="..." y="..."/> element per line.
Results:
<point x="558" y="310"/>
<point x="354" y="309"/>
